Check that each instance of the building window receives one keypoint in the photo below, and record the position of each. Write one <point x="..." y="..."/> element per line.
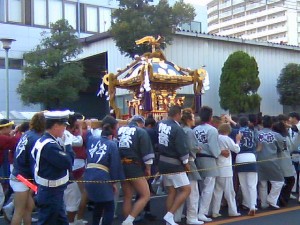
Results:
<point x="2" y="11"/>
<point x="40" y="12"/>
<point x="55" y="6"/>
<point x="70" y="14"/>
<point x="104" y="19"/>
<point x="15" y="64"/>
<point x="15" y="11"/>
<point x="91" y="19"/>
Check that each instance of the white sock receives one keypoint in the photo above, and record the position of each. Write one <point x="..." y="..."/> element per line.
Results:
<point x="169" y="218"/>
<point x="169" y="214"/>
<point x="129" y="219"/>
<point x="80" y="221"/>
<point x="72" y="223"/>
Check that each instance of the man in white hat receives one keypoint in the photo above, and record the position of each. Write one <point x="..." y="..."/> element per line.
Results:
<point x="52" y="165"/>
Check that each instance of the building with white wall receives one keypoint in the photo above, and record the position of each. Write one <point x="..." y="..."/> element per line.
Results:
<point x="19" y="19"/>
<point x="24" y="20"/>
<point x="194" y="50"/>
<point x="275" y="21"/>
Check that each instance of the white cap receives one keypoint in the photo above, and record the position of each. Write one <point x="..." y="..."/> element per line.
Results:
<point x="60" y="116"/>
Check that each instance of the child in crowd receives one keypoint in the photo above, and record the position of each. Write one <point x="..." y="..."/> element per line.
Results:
<point x="224" y="182"/>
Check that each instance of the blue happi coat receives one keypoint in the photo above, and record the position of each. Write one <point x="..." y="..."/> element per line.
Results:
<point x="247" y="145"/>
<point x="101" y="150"/>
<point x="23" y="161"/>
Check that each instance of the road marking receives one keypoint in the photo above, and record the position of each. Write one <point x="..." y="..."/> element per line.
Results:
<point x="241" y="218"/>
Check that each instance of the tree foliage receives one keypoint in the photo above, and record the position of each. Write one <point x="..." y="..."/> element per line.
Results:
<point x="239" y="84"/>
<point x="288" y="85"/>
<point x="136" y="19"/>
<point x="52" y="77"/>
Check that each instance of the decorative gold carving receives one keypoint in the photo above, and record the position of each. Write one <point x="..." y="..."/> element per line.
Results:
<point x="112" y="83"/>
<point x="155" y="43"/>
<point x="163" y="82"/>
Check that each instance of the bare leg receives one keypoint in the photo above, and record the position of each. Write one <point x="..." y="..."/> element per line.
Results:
<point x="29" y="208"/>
<point x="142" y="188"/>
<point x="23" y="208"/>
<point x="81" y="210"/>
<point x="127" y="201"/>
<point x="171" y="198"/>
<point x="71" y="216"/>
<point x="181" y="195"/>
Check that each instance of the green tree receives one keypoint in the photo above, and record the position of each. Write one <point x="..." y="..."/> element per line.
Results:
<point x="136" y="19"/>
<point x="52" y="77"/>
<point x="239" y="84"/>
<point x="288" y="85"/>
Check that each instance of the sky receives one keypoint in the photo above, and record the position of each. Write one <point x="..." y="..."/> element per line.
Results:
<point x="197" y="2"/>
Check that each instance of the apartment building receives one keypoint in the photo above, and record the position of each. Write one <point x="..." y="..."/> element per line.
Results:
<point x="275" y="21"/>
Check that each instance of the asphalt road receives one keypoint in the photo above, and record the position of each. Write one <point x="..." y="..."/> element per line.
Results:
<point x="285" y="216"/>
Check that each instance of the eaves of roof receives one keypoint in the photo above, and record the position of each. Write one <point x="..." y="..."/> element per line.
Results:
<point x="105" y="35"/>
<point x="95" y="38"/>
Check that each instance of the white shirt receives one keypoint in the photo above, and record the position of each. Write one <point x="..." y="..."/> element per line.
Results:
<point x="225" y="164"/>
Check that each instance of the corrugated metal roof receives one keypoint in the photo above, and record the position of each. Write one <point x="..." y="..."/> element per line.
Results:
<point x="105" y="35"/>
<point x="19" y="116"/>
<point x="28" y="115"/>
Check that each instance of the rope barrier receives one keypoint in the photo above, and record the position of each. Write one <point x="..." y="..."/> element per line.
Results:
<point x="157" y="175"/>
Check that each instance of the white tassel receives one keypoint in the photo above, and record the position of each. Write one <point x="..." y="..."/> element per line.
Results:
<point x="205" y="83"/>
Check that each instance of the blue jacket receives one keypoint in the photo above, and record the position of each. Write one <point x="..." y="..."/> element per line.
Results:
<point x="104" y="152"/>
<point x="23" y="161"/>
<point x="54" y="161"/>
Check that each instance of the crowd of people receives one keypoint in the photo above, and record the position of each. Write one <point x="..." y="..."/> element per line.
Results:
<point x="58" y="162"/>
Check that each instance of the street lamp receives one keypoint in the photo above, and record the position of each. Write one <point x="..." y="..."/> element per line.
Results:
<point x="6" y="43"/>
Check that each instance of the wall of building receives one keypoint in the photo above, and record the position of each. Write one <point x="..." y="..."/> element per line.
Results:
<point x="26" y="39"/>
<point x="194" y="50"/>
<point x="293" y="27"/>
<point x="212" y="51"/>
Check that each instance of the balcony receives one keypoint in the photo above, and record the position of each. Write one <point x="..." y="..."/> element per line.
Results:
<point x="225" y="14"/>
<point x="238" y="10"/>
<point x="273" y="2"/>
<point x="225" y="5"/>
<point x="233" y="31"/>
<point x="235" y="2"/>
<point x="265" y="23"/>
<point x="210" y="19"/>
<point x="254" y="6"/>
<point x="279" y="40"/>
<point x="263" y="13"/>
<point x="212" y="9"/>
<point x="268" y="33"/>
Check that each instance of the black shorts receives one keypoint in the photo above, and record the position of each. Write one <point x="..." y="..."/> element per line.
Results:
<point x="133" y="170"/>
